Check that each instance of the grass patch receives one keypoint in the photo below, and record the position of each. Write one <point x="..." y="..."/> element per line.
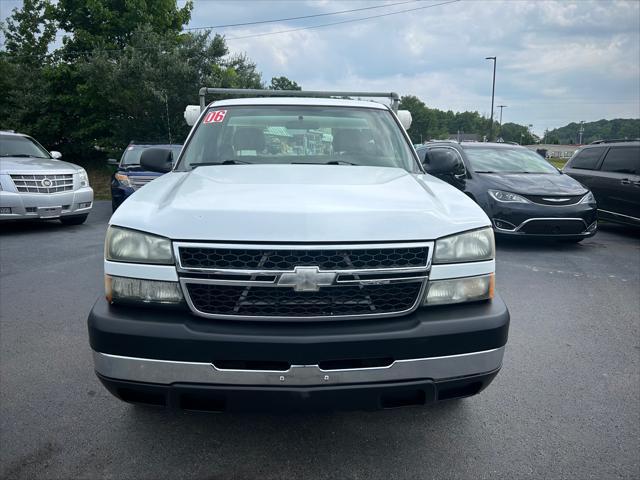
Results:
<point x="557" y="162"/>
<point x="100" y="181"/>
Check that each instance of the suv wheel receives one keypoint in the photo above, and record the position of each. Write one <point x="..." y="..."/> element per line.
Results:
<point x="74" y="220"/>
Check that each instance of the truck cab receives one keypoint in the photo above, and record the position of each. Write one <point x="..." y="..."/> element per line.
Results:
<point x="297" y="256"/>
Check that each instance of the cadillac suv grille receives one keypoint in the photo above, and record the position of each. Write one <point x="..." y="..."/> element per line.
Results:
<point x="43" y="183"/>
<point x="276" y="259"/>
<point x="254" y="301"/>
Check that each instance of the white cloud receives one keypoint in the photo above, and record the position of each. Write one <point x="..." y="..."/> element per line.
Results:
<point x="558" y="61"/>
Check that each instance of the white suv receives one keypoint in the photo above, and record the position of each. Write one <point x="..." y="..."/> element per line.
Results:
<point x="297" y="256"/>
<point x="35" y="184"/>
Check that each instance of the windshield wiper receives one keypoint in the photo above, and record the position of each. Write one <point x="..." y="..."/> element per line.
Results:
<point x="485" y="171"/>
<point x="20" y="155"/>
<point x="224" y="162"/>
<point x="340" y="162"/>
<point x="332" y="162"/>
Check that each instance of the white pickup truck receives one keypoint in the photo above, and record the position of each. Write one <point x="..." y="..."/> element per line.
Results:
<point x="297" y="256"/>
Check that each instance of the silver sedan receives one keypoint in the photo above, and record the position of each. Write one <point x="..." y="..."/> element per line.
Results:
<point x="35" y="184"/>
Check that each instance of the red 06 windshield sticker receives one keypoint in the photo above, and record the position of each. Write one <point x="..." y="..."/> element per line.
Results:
<point x="216" y="116"/>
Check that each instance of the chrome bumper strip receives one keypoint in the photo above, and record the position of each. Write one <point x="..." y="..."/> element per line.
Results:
<point x="168" y="372"/>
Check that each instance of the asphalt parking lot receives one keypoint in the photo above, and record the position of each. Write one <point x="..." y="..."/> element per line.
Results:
<point x="565" y="405"/>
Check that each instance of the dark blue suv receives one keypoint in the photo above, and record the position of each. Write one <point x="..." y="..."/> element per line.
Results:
<point x="130" y="176"/>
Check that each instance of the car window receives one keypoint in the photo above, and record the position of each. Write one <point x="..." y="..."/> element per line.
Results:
<point x="622" y="160"/>
<point x="507" y="160"/>
<point x="16" y="146"/>
<point x="587" y="158"/>
<point x="298" y="134"/>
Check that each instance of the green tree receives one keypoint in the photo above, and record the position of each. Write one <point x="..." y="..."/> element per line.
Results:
<point x="126" y="72"/>
<point x="283" y="83"/>
<point x="30" y="30"/>
<point x="28" y="33"/>
<point x="110" y="25"/>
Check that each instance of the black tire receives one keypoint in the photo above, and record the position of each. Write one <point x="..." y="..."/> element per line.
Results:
<point x="74" y="220"/>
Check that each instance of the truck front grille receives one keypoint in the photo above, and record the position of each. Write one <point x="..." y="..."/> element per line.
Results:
<point x="252" y="301"/>
<point x="276" y="259"/>
<point x="294" y="282"/>
<point x="47" y="183"/>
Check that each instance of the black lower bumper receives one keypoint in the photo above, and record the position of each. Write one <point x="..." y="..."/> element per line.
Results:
<point x="180" y="336"/>
<point x="220" y="398"/>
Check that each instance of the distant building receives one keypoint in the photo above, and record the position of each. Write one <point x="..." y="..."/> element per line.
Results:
<point x="555" y="151"/>
<point x="464" y="137"/>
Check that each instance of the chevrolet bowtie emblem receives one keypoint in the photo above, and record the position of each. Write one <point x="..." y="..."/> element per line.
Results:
<point x="306" y="279"/>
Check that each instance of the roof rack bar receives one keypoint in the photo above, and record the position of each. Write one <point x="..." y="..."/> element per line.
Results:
<point x="395" y="98"/>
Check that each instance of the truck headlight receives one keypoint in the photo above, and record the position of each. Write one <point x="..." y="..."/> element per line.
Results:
<point x="124" y="289"/>
<point x="471" y="246"/>
<point x="124" y="245"/>
<point x="458" y="290"/>
<point x="507" y="197"/>
<point x="83" y="178"/>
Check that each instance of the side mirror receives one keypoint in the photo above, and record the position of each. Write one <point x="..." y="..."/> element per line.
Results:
<point x="443" y="161"/>
<point x="55" y="155"/>
<point x="113" y="161"/>
<point x="157" y="160"/>
<point x="191" y="114"/>
<point x="405" y="118"/>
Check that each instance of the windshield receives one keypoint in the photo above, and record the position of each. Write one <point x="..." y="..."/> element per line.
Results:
<point x="298" y="134"/>
<point x="507" y="160"/>
<point x="16" y="146"/>
<point x="132" y="154"/>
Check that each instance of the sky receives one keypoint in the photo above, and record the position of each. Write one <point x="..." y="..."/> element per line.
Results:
<point x="557" y="61"/>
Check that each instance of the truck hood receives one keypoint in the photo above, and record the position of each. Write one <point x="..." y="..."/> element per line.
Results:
<point x="10" y="165"/>
<point x="299" y="203"/>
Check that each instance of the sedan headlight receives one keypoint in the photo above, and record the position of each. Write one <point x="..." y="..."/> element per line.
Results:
<point x="588" y="198"/>
<point x="123" y="289"/>
<point x="507" y="197"/>
<point x="473" y="246"/>
<point x="83" y="178"/>
<point x="124" y="245"/>
<point x="459" y="290"/>
<point x="123" y="179"/>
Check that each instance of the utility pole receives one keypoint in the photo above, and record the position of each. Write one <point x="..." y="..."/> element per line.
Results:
<point x="501" y="107"/>
<point x="581" y="131"/>
<point x="493" y="93"/>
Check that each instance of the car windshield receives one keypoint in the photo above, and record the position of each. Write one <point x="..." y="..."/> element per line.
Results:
<point x="507" y="160"/>
<point x="132" y="153"/>
<point x="16" y="146"/>
<point x="298" y="134"/>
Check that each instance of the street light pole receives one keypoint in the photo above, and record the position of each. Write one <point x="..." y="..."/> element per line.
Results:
<point x="501" y="107"/>
<point x="493" y="92"/>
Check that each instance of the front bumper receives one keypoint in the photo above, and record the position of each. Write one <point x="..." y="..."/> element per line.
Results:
<point x="138" y="351"/>
<point x="26" y="206"/>
<point x="535" y="220"/>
